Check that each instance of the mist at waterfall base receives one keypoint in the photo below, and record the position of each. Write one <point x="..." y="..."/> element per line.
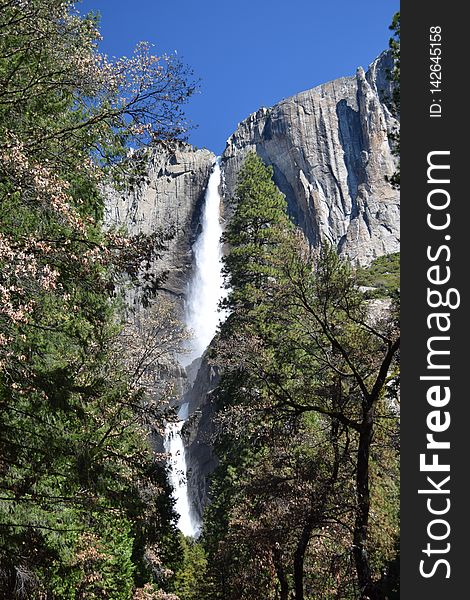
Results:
<point x="205" y="290"/>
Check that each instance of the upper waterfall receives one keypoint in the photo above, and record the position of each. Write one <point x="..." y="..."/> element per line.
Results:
<point x="206" y="287"/>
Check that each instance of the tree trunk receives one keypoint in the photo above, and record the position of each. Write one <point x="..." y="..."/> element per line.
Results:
<point x="313" y="519"/>
<point x="299" y="556"/>
<point x="281" y="575"/>
<point x="361" y="526"/>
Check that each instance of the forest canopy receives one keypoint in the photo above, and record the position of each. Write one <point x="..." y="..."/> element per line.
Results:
<point x="85" y="509"/>
<point x="306" y="493"/>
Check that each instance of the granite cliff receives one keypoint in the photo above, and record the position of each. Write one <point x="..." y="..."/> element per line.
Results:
<point x="169" y="196"/>
<point x="331" y="157"/>
<point x="330" y="153"/>
<point x="198" y="431"/>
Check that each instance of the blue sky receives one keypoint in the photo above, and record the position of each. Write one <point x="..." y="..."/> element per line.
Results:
<point x="248" y="53"/>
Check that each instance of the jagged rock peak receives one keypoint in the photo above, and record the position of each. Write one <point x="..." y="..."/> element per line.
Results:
<point x="331" y="155"/>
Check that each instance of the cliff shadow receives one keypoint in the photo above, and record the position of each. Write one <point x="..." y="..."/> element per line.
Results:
<point x="352" y="143"/>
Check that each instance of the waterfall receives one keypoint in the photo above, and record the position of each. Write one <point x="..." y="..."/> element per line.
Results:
<point x="207" y="284"/>
<point x="173" y="445"/>
<point x="202" y="317"/>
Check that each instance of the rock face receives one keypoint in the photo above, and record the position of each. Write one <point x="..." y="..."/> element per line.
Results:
<point x="169" y="197"/>
<point x="200" y="457"/>
<point x="330" y="153"/>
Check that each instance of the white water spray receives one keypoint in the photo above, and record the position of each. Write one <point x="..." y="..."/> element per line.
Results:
<point x="207" y="285"/>
<point x="202" y="317"/>
<point x="173" y="444"/>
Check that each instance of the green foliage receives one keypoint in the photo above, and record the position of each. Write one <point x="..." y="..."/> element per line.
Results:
<point x="394" y="136"/>
<point x="383" y="274"/>
<point x="101" y="567"/>
<point x="85" y="512"/>
<point x="254" y="234"/>
<point x="189" y="580"/>
<point x="395" y="48"/>
<point x="305" y="369"/>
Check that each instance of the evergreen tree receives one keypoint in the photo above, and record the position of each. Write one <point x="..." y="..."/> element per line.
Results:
<point x="190" y="578"/>
<point x="254" y="235"/>
<point x="305" y="363"/>
<point x="394" y="136"/>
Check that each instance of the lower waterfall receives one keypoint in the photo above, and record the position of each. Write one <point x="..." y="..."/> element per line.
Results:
<point x="205" y="290"/>
<point x="173" y="445"/>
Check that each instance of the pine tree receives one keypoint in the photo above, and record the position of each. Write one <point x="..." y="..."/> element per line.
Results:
<point x="255" y="235"/>
<point x="394" y="136"/>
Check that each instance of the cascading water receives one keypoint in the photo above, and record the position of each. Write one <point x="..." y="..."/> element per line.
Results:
<point x="207" y="284"/>
<point x="205" y="290"/>
<point x="173" y="445"/>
